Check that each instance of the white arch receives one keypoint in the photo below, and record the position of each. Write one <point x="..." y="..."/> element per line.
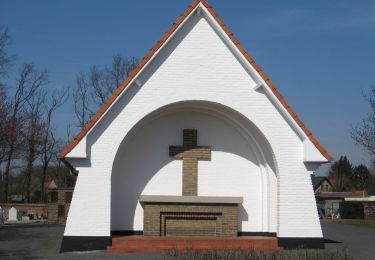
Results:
<point x="255" y="139"/>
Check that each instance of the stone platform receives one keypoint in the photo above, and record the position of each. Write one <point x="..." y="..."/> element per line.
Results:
<point x="150" y="244"/>
<point x="190" y="215"/>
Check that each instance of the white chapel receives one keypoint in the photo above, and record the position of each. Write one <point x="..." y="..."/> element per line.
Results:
<point x="197" y="141"/>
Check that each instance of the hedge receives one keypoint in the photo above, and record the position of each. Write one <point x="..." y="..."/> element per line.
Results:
<point x="351" y="210"/>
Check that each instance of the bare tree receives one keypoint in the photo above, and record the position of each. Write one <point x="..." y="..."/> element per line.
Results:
<point x="97" y="81"/>
<point x="94" y="88"/>
<point x="5" y="59"/>
<point x="32" y="135"/>
<point x="28" y="81"/>
<point x="105" y="81"/>
<point x="118" y="71"/>
<point x="364" y="133"/>
<point x="5" y="62"/>
<point x="49" y="142"/>
<point x="82" y="100"/>
<point x="4" y="113"/>
<point x="68" y="131"/>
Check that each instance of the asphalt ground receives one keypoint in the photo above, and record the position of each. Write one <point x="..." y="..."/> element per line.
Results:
<point x="43" y="242"/>
<point x="357" y="241"/>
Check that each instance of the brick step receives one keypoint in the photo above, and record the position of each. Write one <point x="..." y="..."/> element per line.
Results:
<point x="153" y="249"/>
<point x="190" y="238"/>
<point x="199" y="244"/>
<point x="132" y="244"/>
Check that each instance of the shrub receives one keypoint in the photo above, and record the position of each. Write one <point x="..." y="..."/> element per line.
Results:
<point x="351" y="210"/>
<point x="258" y="255"/>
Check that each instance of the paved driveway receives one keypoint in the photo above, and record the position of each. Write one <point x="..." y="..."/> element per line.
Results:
<point x="43" y="241"/>
<point x="358" y="241"/>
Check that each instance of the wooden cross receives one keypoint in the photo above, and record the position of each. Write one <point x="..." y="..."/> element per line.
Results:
<point x="190" y="153"/>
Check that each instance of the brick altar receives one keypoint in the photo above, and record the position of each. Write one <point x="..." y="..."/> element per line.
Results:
<point x="190" y="215"/>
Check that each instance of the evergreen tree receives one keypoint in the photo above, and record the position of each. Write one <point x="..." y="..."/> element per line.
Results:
<point x="361" y="177"/>
<point x="371" y="183"/>
<point x="340" y="174"/>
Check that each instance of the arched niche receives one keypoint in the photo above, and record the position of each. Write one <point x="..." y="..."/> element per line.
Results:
<point x="242" y="164"/>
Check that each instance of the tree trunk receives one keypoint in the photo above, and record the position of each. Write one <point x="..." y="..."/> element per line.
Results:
<point x="44" y="177"/>
<point x="29" y="171"/>
<point x="7" y="171"/>
<point x="1" y="184"/>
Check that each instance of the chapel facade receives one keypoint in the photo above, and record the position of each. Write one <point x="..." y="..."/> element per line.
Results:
<point x="197" y="141"/>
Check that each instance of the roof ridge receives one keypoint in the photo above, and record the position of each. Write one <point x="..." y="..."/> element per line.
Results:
<point x="157" y="46"/>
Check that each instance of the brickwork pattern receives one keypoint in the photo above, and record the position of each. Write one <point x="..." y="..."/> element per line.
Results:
<point x="190" y="153"/>
<point x="171" y="219"/>
<point x="53" y="206"/>
<point x="369" y="210"/>
<point x="195" y="226"/>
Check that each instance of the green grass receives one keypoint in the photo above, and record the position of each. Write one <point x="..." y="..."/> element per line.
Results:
<point x="300" y="254"/>
<point x="357" y="222"/>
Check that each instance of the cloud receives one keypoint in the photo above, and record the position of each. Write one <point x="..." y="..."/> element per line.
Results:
<point x="285" y="17"/>
<point x="359" y="21"/>
<point x="315" y="19"/>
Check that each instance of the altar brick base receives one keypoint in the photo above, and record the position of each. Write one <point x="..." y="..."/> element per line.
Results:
<point x="171" y="219"/>
<point x="150" y="244"/>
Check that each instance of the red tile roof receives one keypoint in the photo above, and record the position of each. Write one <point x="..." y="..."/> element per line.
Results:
<point x="157" y="46"/>
<point x="358" y="193"/>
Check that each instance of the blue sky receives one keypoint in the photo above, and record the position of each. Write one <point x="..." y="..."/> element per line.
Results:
<point x="320" y="54"/>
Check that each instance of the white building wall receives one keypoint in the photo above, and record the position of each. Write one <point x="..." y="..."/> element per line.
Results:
<point x="90" y="201"/>
<point x="196" y="65"/>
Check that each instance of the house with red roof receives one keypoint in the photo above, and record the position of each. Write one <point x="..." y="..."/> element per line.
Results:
<point x="196" y="142"/>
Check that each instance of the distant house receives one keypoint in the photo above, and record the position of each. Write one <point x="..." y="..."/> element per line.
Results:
<point x="321" y="184"/>
<point x="49" y="185"/>
<point x="359" y="194"/>
<point x="328" y="202"/>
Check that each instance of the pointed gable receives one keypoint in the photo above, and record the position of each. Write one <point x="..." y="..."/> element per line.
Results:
<point x="265" y="82"/>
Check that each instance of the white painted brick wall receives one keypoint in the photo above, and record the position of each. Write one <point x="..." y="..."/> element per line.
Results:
<point x="195" y="65"/>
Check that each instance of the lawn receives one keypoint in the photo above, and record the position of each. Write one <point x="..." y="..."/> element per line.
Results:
<point x="367" y="223"/>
